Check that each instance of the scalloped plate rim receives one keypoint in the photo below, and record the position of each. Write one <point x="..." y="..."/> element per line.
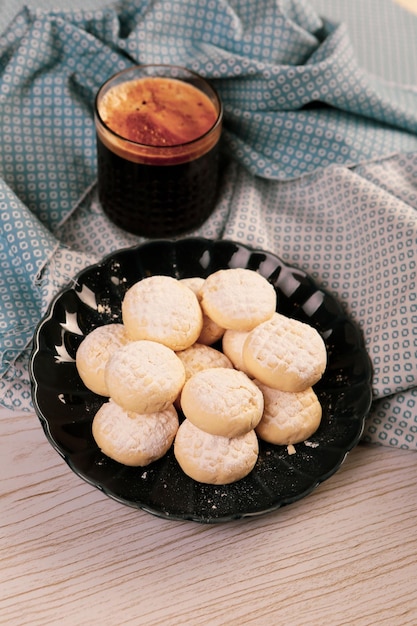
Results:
<point x="284" y="501"/>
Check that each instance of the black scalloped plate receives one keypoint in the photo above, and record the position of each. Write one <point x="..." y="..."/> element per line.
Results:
<point x="66" y="408"/>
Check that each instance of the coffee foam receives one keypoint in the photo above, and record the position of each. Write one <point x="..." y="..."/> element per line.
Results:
<point x="153" y="113"/>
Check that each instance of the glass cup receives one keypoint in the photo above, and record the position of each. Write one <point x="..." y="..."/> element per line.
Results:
<point x="158" y="130"/>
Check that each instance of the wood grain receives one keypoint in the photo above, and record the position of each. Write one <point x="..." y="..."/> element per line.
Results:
<point x="346" y="554"/>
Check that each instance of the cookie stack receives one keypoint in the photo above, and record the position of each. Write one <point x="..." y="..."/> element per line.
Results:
<point x="161" y="359"/>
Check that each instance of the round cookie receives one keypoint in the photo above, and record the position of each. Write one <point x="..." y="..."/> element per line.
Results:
<point x="144" y="376"/>
<point x="238" y="298"/>
<point x="213" y="459"/>
<point x="289" y="417"/>
<point x="232" y="345"/>
<point x="94" y="352"/>
<point x="194" y="283"/>
<point x="222" y="401"/>
<point x="162" y="309"/>
<point x="285" y="354"/>
<point x="131" y="438"/>
<point x="199" y="357"/>
<point x="210" y="332"/>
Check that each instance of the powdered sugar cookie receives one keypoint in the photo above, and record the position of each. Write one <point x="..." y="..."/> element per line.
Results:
<point x="144" y="376"/>
<point x="222" y="401"/>
<point x="131" y="438"/>
<point x="194" y="283"/>
<point x="200" y="357"/>
<point x="238" y="298"/>
<point x="94" y="352"/>
<point x="285" y="354"/>
<point x="232" y="345"/>
<point x="210" y="332"/>
<point x="289" y="417"/>
<point x="214" y="459"/>
<point x="162" y="309"/>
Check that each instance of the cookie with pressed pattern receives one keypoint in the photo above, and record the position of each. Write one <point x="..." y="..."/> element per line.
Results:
<point x="214" y="459"/>
<point x="285" y="354"/>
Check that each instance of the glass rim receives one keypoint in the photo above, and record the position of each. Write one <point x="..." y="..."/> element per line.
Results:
<point x="158" y="147"/>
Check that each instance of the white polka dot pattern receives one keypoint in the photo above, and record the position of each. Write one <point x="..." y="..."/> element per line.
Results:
<point x="320" y="135"/>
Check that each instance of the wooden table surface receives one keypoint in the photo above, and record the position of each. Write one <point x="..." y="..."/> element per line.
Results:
<point x="345" y="554"/>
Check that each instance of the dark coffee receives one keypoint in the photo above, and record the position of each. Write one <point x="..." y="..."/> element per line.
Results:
<point x="157" y="200"/>
<point x="158" y="151"/>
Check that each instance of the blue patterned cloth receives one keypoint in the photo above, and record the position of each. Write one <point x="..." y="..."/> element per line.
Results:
<point x="322" y="167"/>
